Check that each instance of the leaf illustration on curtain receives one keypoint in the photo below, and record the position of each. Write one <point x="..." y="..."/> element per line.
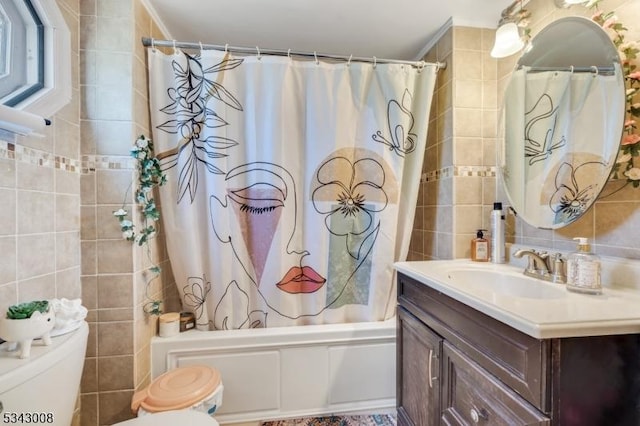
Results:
<point x="190" y="117"/>
<point x="236" y="300"/>
<point x="358" y="192"/>
<point x="540" y="130"/>
<point x="195" y="295"/>
<point x="400" y="123"/>
<point x="575" y="190"/>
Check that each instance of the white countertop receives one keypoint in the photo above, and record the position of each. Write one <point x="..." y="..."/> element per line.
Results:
<point x="561" y="314"/>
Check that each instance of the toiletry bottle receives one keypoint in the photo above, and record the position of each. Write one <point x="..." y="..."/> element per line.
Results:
<point x="497" y="234"/>
<point x="480" y="247"/>
<point x="583" y="269"/>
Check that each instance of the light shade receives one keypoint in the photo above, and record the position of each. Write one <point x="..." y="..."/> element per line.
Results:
<point x="508" y="41"/>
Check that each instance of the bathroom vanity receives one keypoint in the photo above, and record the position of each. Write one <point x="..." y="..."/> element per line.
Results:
<point x="492" y="354"/>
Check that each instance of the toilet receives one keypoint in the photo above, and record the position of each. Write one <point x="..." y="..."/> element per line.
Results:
<point x="47" y="384"/>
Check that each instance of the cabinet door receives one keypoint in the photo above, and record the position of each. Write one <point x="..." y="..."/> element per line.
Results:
<point x="419" y="365"/>
<point x="473" y="396"/>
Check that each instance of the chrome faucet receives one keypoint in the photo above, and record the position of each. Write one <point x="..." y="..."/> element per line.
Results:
<point x="542" y="266"/>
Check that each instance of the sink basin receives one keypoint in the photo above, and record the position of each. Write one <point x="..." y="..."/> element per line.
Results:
<point x="504" y="283"/>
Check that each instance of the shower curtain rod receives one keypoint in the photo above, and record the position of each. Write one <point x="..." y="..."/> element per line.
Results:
<point x="151" y="42"/>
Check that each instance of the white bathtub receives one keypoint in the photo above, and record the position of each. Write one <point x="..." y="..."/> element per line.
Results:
<point x="291" y="371"/>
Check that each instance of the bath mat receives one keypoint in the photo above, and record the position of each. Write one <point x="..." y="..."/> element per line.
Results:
<point x="373" y="420"/>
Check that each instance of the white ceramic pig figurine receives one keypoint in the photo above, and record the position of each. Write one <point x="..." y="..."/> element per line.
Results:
<point x="23" y="331"/>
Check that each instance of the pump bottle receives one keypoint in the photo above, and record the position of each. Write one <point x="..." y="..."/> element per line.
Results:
<point x="583" y="269"/>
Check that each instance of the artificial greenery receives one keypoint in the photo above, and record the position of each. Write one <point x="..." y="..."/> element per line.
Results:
<point x="25" y="310"/>
<point x="150" y="175"/>
<point x="628" y="50"/>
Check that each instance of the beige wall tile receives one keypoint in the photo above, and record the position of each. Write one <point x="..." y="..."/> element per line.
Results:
<point x="67" y="138"/>
<point x="112" y="315"/>
<point x="467" y="38"/>
<point x="468" y="190"/>
<point x="467" y="122"/>
<point x="115" y="291"/>
<point x="109" y="225"/>
<point x="67" y="212"/>
<point x="67" y="249"/>
<point x="7" y="173"/>
<point x="68" y="283"/>
<point x="32" y="177"/>
<point x="612" y="221"/>
<point x="88" y="223"/>
<point x="8" y="295"/>
<point x="115" y="373"/>
<point x="35" y="212"/>
<point x="115" y="338"/>
<point x="88" y="189"/>
<point x="89" y="257"/>
<point x="468" y="93"/>
<point x="142" y="365"/>
<point x="114" y="34"/>
<point x="67" y="182"/>
<point x="468" y="151"/>
<point x="36" y="255"/>
<point x="89" y="411"/>
<point x="89" y="381"/>
<point x="39" y="288"/>
<point x="114" y="257"/>
<point x="468" y="219"/>
<point x="115" y="8"/>
<point x="114" y="407"/>
<point x="88" y="31"/>
<point x="8" y="212"/>
<point x="114" y="137"/>
<point x="112" y="185"/>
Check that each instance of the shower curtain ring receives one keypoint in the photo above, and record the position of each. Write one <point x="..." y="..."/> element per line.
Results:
<point x="175" y="49"/>
<point x="572" y="69"/>
<point x="153" y="44"/>
<point x="201" y="48"/>
<point x="349" y="61"/>
<point x="315" y="55"/>
<point x="375" y="62"/>
<point x="258" y="56"/>
<point x="595" y="69"/>
<point x="289" y="53"/>
<point x="226" y="48"/>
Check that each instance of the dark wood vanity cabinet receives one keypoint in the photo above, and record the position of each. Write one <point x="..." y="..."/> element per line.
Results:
<point x="458" y="366"/>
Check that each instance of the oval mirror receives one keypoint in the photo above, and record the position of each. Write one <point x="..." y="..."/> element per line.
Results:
<point x="563" y="113"/>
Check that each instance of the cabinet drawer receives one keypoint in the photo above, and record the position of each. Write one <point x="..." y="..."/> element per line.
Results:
<point x="518" y="360"/>
<point x="471" y="395"/>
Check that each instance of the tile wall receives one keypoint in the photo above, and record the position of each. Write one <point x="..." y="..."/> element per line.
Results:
<point x="40" y="208"/>
<point x="458" y="181"/>
<point x="113" y="81"/>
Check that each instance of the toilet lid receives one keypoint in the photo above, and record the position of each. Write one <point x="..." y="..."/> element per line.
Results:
<point x="180" y="388"/>
<point x="172" y="418"/>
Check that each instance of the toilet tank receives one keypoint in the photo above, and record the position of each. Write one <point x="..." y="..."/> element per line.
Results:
<point x="43" y="388"/>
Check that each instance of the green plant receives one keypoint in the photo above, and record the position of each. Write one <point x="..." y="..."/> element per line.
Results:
<point x="626" y="166"/>
<point x="150" y="175"/>
<point x="25" y="310"/>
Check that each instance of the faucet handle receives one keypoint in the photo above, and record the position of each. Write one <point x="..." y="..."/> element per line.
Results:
<point x="557" y="269"/>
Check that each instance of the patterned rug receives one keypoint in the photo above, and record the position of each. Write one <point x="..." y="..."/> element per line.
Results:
<point x="374" y="420"/>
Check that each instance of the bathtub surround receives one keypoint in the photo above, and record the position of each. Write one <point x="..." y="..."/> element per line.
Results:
<point x="465" y="117"/>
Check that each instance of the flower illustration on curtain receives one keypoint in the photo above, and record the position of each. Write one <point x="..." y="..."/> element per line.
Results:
<point x="575" y="190"/>
<point x="195" y="295"/>
<point x="400" y="122"/>
<point x="236" y="300"/>
<point x="540" y="130"/>
<point x="190" y="117"/>
<point x="357" y="191"/>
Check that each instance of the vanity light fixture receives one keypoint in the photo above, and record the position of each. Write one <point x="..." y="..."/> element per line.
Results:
<point x="508" y="37"/>
<point x="508" y="41"/>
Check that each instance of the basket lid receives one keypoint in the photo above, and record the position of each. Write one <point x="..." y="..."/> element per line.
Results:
<point x="178" y="388"/>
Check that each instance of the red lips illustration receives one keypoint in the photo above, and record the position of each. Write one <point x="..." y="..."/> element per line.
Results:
<point x="301" y="280"/>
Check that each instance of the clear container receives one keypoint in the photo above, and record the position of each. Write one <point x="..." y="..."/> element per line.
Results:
<point x="583" y="269"/>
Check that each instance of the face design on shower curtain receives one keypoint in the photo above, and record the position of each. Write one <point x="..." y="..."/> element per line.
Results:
<point x="294" y="276"/>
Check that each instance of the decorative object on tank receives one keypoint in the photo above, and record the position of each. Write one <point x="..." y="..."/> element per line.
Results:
<point x="25" y="322"/>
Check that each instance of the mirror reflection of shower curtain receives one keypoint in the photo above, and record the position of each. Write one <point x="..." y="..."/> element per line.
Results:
<point x="291" y="184"/>
<point x="555" y="155"/>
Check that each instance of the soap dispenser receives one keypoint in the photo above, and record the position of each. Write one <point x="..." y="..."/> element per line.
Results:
<point x="583" y="269"/>
<point x="480" y="247"/>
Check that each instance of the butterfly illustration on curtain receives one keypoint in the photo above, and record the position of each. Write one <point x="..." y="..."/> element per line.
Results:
<point x="540" y="130"/>
<point x="195" y="295"/>
<point x="400" y="123"/>
<point x="192" y="117"/>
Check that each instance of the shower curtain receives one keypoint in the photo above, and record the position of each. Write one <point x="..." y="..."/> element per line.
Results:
<point x="291" y="183"/>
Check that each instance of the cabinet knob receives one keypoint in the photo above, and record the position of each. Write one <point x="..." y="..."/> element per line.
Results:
<point x="477" y="414"/>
